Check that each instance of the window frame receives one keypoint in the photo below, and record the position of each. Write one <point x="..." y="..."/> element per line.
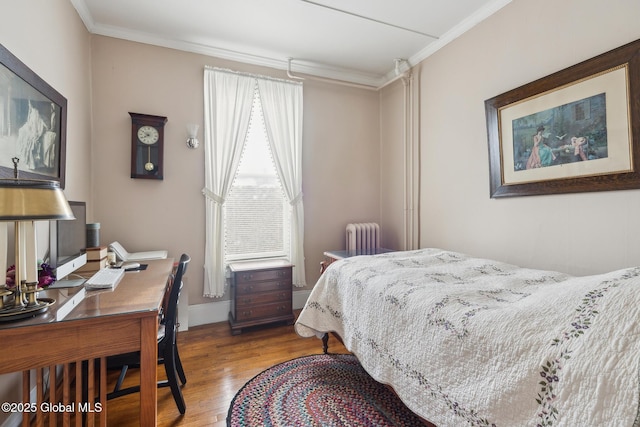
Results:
<point x="285" y="253"/>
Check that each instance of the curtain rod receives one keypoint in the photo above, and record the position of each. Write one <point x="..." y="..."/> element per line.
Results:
<point x="255" y="76"/>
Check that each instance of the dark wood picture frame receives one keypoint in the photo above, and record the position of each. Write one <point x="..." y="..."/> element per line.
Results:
<point x="33" y="123"/>
<point x="627" y="58"/>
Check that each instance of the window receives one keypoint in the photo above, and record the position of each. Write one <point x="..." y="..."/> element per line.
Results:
<point x="256" y="212"/>
<point x="268" y="223"/>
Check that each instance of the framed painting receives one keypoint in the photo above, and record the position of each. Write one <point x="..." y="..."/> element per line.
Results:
<point x="573" y="131"/>
<point x="33" y="123"/>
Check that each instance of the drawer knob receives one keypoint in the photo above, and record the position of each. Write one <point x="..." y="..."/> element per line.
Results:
<point x="247" y="313"/>
<point x="247" y="276"/>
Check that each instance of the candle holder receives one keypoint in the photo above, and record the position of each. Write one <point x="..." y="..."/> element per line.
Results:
<point x="22" y="301"/>
<point x="24" y="201"/>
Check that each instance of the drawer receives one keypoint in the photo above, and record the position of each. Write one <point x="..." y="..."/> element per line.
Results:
<point x="262" y="298"/>
<point x="266" y="310"/>
<point x="253" y="287"/>
<point x="256" y="276"/>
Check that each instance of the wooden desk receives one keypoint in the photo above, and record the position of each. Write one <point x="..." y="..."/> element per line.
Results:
<point x="104" y="323"/>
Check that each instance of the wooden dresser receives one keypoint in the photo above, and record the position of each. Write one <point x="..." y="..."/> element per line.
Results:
<point x="261" y="293"/>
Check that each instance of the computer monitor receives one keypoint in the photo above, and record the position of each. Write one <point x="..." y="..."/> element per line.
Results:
<point x="68" y="242"/>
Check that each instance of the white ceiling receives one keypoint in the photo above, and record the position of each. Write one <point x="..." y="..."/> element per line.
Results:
<point x="351" y="40"/>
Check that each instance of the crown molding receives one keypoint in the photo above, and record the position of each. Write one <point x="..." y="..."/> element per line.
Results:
<point x="459" y="29"/>
<point x="302" y="66"/>
<point x="453" y="34"/>
<point x="299" y="65"/>
<point x="81" y="7"/>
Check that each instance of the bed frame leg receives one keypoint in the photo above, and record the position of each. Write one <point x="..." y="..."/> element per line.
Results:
<point x="325" y="343"/>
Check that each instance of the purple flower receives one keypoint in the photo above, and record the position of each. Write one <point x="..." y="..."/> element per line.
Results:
<point x="45" y="276"/>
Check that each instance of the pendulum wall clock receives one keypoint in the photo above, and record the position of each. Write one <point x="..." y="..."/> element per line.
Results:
<point x="147" y="146"/>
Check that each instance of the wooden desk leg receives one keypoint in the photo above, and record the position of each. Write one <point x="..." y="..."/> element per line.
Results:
<point x="148" y="373"/>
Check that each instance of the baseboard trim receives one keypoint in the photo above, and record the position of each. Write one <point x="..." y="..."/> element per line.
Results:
<point x="218" y="311"/>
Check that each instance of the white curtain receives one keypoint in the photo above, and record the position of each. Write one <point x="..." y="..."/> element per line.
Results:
<point x="282" y="110"/>
<point x="227" y="109"/>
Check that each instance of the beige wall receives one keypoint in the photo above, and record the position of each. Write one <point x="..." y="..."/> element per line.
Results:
<point x="341" y="166"/>
<point x="340" y="155"/>
<point x="49" y="37"/>
<point x="526" y="40"/>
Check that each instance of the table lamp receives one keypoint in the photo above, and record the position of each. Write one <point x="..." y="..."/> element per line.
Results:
<point x="24" y="201"/>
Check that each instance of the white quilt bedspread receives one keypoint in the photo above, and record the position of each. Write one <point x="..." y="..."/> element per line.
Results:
<point x="467" y="341"/>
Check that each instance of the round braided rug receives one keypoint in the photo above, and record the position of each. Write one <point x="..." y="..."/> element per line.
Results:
<point x="318" y="390"/>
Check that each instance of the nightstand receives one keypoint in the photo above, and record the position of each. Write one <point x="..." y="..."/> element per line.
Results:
<point x="332" y="256"/>
<point x="261" y="293"/>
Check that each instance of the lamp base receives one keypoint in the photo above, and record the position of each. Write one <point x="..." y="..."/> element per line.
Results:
<point x="18" y="312"/>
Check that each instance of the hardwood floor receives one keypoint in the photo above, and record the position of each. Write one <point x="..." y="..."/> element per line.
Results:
<point x="217" y="365"/>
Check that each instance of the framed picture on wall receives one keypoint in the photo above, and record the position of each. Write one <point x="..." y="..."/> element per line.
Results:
<point x="33" y="123"/>
<point x="573" y="131"/>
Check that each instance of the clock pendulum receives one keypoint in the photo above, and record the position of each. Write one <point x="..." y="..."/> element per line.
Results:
<point x="149" y="166"/>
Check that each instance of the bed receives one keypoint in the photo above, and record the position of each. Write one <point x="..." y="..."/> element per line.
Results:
<point x="469" y="341"/>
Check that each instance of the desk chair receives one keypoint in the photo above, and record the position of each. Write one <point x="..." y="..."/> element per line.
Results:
<point x="167" y="346"/>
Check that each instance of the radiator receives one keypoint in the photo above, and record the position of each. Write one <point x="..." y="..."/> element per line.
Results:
<point x="363" y="236"/>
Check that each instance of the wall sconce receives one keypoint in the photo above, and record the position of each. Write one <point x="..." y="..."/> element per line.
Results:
<point x="192" y="132"/>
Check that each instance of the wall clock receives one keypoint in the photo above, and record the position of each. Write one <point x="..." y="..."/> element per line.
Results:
<point x="147" y="146"/>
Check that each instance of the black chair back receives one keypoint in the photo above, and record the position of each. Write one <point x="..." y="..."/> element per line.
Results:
<point x="167" y="347"/>
<point x="171" y="313"/>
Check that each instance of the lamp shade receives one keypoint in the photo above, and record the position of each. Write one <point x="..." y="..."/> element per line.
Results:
<point x="32" y="199"/>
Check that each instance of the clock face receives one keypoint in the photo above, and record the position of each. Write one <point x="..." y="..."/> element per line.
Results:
<point x="148" y="135"/>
